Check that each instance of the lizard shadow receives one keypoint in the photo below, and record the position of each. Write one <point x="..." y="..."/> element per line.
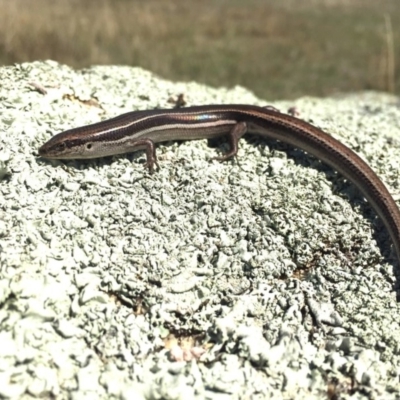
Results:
<point x="345" y="189"/>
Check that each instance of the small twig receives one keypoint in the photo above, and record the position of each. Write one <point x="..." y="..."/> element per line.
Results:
<point x="38" y="87"/>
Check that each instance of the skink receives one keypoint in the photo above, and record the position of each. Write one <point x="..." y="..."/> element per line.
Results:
<point x="142" y="129"/>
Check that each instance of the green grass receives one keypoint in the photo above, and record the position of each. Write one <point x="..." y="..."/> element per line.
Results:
<point x="276" y="48"/>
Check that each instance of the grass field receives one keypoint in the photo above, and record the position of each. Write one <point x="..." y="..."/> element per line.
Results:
<point x="279" y="49"/>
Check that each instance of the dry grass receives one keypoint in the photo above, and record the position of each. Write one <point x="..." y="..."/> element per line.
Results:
<point x="277" y="48"/>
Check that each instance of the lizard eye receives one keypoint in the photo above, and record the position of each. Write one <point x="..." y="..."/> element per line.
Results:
<point x="88" y="146"/>
<point x="60" y="147"/>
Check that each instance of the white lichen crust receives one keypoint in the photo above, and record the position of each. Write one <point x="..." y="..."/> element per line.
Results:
<point x="267" y="276"/>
